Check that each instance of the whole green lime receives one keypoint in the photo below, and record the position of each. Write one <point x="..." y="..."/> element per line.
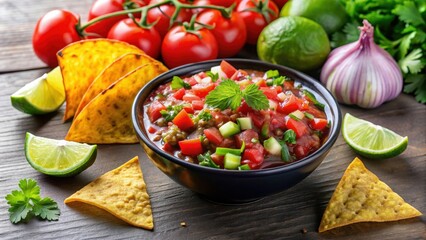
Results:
<point x="330" y="14"/>
<point x="295" y="42"/>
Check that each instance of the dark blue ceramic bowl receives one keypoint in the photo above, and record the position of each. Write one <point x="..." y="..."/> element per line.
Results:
<point x="232" y="186"/>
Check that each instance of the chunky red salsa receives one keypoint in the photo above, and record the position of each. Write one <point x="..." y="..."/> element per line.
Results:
<point x="235" y="119"/>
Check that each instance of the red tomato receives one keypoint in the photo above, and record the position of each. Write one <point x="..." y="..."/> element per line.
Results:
<point x="198" y="105"/>
<point x="190" y="97"/>
<point x="163" y="14"/>
<point x="256" y="14"/>
<point x="247" y="137"/>
<point x="202" y="90"/>
<point x="183" y="120"/>
<point x="230" y="33"/>
<point x="213" y="135"/>
<point x="54" y="31"/>
<point x="270" y="93"/>
<point x="253" y="157"/>
<point x="154" y="110"/>
<point x="181" y="47"/>
<point x="290" y="104"/>
<point x="191" y="147"/>
<point x="223" y="3"/>
<point x="318" y="123"/>
<point x="179" y="94"/>
<point x="299" y="127"/>
<point x="280" y="3"/>
<point x="126" y="30"/>
<point x="102" y="7"/>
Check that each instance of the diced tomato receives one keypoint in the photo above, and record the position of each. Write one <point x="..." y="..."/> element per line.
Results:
<point x="217" y="159"/>
<point x="278" y="121"/>
<point x="201" y="90"/>
<point x="227" y="69"/>
<point x="191" y="147"/>
<point x="198" y="104"/>
<point x="228" y="143"/>
<point x="253" y="157"/>
<point x="168" y="147"/>
<point x="244" y="108"/>
<point x="270" y="93"/>
<point x="246" y="136"/>
<point x="219" y="117"/>
<point x="317" y="113"/>
<point x="290" y="104"/>
<point x="239" y="75"/>
<point x="257" y="118"/>
<point x="189" y="97"/>
<point x="154" y="110"/>
<point x="191" y="81"/>
<point x="318" y="123"/>
<point x="179" y="94"/>
<point x="213" y="135"/>
<point x="288" y="85"/>
<point x="261" y="83"/>
<point x="279" y="89"/>
<point x="304" y="105"/>
<point x="305" y="145"/>
<point x="299" y="127"/>
<point x="152" y="129"/>
<point x="183" y="121"/>
<point x="188" y="108"/>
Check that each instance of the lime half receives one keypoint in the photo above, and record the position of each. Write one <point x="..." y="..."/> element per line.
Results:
<point x="44" y="95"/>
<point x="58" y="157"/>
<point x="370" y="140"/>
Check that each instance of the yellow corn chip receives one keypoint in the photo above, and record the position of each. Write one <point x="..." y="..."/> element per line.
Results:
<point x="121" y="192"/>
<point x="112" y="73"/>
<point x="107" y="118"/>
<point x="361" y="197"/>
<point x="82" y="61"/>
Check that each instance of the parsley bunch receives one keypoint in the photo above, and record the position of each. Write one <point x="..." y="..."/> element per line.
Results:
<point x="26" y="203"/>
<point x="400" y="29"/>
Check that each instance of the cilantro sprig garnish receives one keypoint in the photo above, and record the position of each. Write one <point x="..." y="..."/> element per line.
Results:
<point x="178" y="83"/>
<point x="229" y="95"/>
<point x="26" y="203"/>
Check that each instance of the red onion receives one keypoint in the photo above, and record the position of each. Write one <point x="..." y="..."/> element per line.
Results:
<point x="362" y="73"/>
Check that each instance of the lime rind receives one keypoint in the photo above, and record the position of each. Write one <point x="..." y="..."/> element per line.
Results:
<point x="370" y="140"/>
<point x="43" y="95"/>
<point x="58" y="157"/>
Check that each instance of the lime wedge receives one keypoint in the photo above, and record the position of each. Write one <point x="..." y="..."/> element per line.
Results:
<point x="58" y="157"/>
<point x="370" y="140"/>
<point x="44" y="95"/>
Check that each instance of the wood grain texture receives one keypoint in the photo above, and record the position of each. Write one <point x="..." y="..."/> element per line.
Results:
<point x="282" y="216"/>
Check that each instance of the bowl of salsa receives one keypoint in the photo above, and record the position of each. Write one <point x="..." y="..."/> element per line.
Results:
<point x="236" y="130"/>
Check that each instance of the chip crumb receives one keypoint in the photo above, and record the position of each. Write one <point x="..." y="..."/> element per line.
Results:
<point x="303" y="230"/>
<point x="183" y="224"/>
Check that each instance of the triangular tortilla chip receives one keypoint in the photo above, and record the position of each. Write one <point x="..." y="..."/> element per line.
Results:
<point x="107" y="118"/>
<point x="121" y="192"/>
<point x="82" y="61"/>
<point x="112" y="73"/>
<point x="361" y="197"/>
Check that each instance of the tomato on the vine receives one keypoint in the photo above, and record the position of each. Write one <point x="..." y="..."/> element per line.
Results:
<point x="230" y="33"/>
<point x="181" y="46"/>
<point x="256" y="14"/>
<point x="54" y="31"/>
<point x="102" y="7"/>
<point x="163" y="14"/>
<point x="127" y="30"/>
<point x="223" y="3"/>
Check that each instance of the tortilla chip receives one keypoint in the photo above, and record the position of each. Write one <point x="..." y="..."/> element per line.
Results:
<point x="121" y="192"/>
<point x="361" y="197"/>
<point x="107" y="118"/>
<point x="112" y="73"/>
<point x="82" y="61"/>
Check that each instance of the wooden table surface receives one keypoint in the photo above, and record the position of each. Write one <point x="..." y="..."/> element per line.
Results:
<point x="292" y="214"/>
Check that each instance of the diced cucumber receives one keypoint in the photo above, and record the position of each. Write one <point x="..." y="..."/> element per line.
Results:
<point x="245" y="123"/>
<point x="297" y="115"/>
<point x="221" y="151"/>
<point x="231" y="161"/>
<point x="229" y="129"/>
<point x="244" y="167"/>
<point x="272" y="146"/>
<point x="265" y="130"/>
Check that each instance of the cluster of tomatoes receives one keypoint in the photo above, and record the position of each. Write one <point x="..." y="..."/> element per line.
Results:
<point x="196" y="34"/>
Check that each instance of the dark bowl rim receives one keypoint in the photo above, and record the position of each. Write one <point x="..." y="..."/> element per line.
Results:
<point x="333" y="134"/>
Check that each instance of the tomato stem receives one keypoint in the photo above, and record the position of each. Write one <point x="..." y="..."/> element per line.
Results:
<point x="129" y="10"/>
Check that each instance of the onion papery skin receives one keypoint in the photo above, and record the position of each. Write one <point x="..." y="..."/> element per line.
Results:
<point x="362" y="73"/>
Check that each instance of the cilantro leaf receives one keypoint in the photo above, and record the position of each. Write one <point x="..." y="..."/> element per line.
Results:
<point x="272" y="73"/>
<point x="206" y="160"/>
<point x="178" y="83"/>
<point x="290" y="136"/>
<point x="203" y="115"/>
<point x="170" y="113"/>
<point x="416" y="84"/>
<point x="47" y="208"/>
<point x="255" y="98"/>
<point x="27" y="202"/>
<point x="226" y="94"/>
<point x="409" y="13"/>
<point x="412" y="62"/>
<point x="213" y="76"/>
